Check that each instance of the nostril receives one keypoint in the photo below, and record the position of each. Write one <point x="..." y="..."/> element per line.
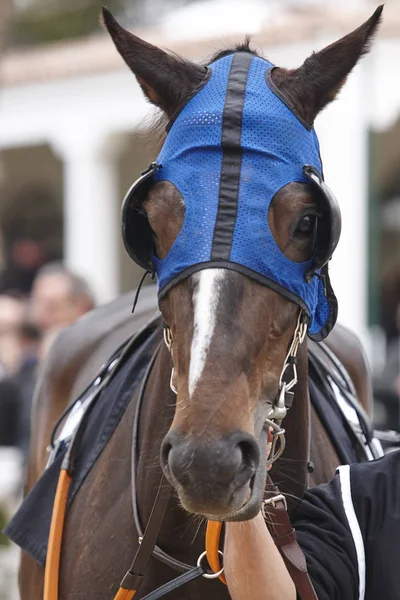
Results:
<point x="250" y="455"/>
<point x="166" y="448"/>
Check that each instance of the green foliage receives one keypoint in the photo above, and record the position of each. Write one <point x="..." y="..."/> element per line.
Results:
<point x="45" y="21"/>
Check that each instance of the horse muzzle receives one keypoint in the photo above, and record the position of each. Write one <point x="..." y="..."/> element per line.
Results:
<point x="213" y="477"/>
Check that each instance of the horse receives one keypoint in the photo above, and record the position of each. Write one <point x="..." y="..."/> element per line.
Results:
<point x="210" y="389"/>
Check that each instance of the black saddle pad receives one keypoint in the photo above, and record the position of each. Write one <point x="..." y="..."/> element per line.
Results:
<point x="30" y="526"/>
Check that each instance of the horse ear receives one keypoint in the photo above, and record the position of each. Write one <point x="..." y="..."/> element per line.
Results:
<point x="317" y="82"/>
<point x="165" y="79"/>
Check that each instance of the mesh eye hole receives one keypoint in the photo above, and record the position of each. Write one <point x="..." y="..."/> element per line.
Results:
<point x="306" y="225"/>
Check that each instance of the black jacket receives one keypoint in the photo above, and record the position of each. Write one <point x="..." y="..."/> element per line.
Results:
<point x="349" y="531"/>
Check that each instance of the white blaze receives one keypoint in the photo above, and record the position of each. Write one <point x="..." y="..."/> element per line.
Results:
<point x="205" y="302"/>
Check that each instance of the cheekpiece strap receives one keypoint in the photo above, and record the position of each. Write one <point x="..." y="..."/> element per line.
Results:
<point x="285" y="396"/>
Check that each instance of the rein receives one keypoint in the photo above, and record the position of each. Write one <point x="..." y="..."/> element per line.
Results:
<point x="274" y="507"/>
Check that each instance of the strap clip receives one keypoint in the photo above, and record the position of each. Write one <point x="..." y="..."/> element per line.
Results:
<point x="273" y="502"/>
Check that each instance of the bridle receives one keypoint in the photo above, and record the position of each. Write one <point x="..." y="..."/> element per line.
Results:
<point x="284" y="399"/>
<point x="274" y="507"/>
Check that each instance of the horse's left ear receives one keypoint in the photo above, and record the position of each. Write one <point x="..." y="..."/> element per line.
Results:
<point x="317" y="82"/>
<point x="166" y="80"/>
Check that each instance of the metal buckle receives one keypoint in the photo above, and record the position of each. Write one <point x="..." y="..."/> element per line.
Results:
<point x="273" y="502"/>
<point x="168" y="337"/>
<point x="168" y="343"/>
<point x="278" y="435"/>
<point x="279" y="411"/>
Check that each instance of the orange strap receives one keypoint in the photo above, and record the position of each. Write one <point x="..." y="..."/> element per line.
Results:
<point x="213" y="534"/>
<point x="55" y="537"/>
<point x="123" y="594"/>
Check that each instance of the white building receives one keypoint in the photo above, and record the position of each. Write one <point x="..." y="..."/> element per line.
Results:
<point x="72" y="121"/>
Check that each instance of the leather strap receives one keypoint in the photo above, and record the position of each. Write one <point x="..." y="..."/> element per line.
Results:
<point x="284" y="536"/>
<point x="134" y="575"/>
<point x="158" y="553"/>
<point x="52" y="568"/>
<point x="175" y="583"/>
<point x="213" y="534"/>
<point x="147" y="541"/>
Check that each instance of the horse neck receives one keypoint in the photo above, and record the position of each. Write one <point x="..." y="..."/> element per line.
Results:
<point x="290" y="472"/>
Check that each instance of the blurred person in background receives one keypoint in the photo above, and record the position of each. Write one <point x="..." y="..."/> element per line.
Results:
<point x="59" y="298"/>
<point x="16" y="391"/>
<point x="25" y="258"/>
<point x="25" y="381"/>
<point x="12" y="315"/>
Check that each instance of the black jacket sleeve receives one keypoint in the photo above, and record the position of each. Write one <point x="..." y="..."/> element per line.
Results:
<point x="325" y="538"/>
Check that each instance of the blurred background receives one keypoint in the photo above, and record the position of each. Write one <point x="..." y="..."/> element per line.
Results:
<point x="75" y="133"/>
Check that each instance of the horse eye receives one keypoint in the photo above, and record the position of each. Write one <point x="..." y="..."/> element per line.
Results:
<point x="306" y="225"/>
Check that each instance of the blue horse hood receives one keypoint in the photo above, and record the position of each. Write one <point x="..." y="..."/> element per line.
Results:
<point x="232" y="147"/>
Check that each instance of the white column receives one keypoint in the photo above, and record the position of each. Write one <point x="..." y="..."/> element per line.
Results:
<point x="343" y="136"/>
<point x="91" y="218"/>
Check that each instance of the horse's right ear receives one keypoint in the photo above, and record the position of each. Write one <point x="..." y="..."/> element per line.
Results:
<point x="165" y="79"/>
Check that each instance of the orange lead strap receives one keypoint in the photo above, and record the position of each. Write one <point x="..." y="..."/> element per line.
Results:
<point x="52" y="568"/>
<point x="213" y="534"/>
<point x="123" y="594"/>
<point x="55" y="538"/>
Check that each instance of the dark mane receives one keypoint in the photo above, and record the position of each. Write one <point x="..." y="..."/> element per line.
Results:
<point x="242" y="47"/>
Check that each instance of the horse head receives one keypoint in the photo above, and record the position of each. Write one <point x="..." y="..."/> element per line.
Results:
<point x="238" y="224"/>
